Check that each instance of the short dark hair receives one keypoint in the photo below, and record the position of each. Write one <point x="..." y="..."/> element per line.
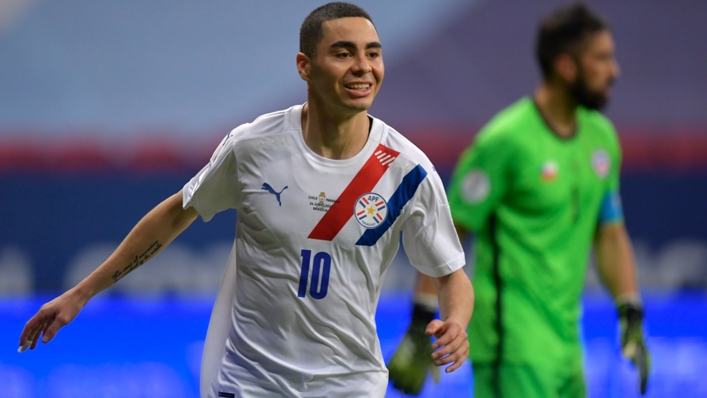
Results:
<point x="564" y="31"/>
<point x="311" y="31"/>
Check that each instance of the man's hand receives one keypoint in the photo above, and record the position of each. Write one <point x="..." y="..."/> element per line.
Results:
<point x="451" y="346"/>
<point x="412" y="359"/>
<point x="633" y="345"/>
<point x="51" y="317"/>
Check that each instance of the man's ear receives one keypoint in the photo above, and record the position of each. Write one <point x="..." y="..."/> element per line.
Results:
<point x="566" y="67"/>
<point x="304" y="66"/>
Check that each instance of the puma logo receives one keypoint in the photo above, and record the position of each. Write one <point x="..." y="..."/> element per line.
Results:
<point x="267" y="187"/>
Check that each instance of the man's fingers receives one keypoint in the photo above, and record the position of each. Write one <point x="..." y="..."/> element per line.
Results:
<point x="633" y="346"/>
<point x="434" y="327"/>
<point x="45" y="324"/>
<point x="456" y="365"/>
<point x="444" y="337"/>
<point x="641" y="362"/>
<point x="31" y="328"/>
<point x="449" y="340"/>
<point x="28" y="338"/>
<point x="26" y="335"/>
<point x="454" y="352"/>
<point x="449" y="348"/>
<point x="53" y="328"/>
<point x="458" y="353"/>
<point x="24" y="346"/>
<point x="47" y="329"/>
<point x="634" y="349"/>
<point x="35" y="325"/>
<point x="459" y="359"/>
<point x="449" y="335"/>
<point x="34" y="337"/>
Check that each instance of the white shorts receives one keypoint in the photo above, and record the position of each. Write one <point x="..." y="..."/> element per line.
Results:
<point x="234" y="381"/>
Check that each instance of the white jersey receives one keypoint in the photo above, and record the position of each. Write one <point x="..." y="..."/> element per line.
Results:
<point x="314" y="238"/>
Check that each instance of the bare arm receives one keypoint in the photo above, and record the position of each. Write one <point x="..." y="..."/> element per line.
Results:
<point x="618" y="272"/>
<point x="151" y="234"/>
<point x="614" y="255"/>
<point x="424" y="286"/>
<point x="415" y="357"/>
<point x="456" y="303"/>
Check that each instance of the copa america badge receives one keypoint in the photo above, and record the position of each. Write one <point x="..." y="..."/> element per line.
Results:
<point x="370" y="210"/>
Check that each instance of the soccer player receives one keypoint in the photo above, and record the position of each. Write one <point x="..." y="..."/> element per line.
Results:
<point x="323" y="192"/>
<point x="538" y="186"/>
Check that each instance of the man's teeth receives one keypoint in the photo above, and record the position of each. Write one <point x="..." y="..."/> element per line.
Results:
<point x="358" y="86"/>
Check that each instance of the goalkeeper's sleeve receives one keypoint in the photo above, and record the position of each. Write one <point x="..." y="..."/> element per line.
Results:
<point x="412" y="359"/>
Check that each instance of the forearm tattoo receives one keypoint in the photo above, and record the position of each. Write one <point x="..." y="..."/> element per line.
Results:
<point x="138" y="261"/>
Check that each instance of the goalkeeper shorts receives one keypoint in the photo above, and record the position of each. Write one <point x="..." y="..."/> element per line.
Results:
<point x="512" y="381"/>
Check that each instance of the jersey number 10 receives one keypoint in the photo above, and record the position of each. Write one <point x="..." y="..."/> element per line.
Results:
<point x="321" y="265"/>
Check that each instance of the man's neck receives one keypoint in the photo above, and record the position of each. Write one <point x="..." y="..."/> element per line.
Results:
<point x="557" y="107"/>
<point x="334" y="137"/>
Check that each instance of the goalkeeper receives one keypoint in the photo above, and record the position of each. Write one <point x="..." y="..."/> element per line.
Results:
<point x="538" y="187"/>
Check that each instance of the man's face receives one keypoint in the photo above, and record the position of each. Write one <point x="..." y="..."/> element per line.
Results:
<point x="347" y="68"/>
<point x="596" y="71"/>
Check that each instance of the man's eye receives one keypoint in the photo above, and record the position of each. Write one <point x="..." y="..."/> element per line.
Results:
<point x="343" y="55"/>
<point x="373" y="55"/>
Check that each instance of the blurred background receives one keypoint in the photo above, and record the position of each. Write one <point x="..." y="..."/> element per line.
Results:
<point x="106" y="108"/>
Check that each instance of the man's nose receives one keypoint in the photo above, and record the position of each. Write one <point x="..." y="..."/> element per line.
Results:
<point x="361" y="65"/>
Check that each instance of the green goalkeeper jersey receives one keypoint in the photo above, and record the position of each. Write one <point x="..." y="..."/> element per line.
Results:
<point x="533" y="200"/>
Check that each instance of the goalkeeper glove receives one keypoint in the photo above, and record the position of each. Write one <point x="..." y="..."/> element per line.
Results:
<point x="633" y="345"/>
<point x="412" y="359"/>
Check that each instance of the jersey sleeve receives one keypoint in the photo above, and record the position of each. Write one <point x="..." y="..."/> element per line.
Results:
<point x="429" y="237"/>
<point x="479" y="181"/>
<point x="215" y="188"/>
<point x="611" y="210"/>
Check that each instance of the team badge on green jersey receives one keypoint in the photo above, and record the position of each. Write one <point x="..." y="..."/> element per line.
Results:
<point x="601" y="162"/>
<point x="476" y="186"/>
<point x="549" y="171"/>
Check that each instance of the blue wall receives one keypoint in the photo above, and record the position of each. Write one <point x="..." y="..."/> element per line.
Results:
<point x="152" y="348"/>
<point x="54" y="218"/>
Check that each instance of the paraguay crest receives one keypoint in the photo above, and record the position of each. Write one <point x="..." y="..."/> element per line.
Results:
<point x="370" y="210"/>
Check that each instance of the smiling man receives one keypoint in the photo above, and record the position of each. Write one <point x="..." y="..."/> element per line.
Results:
<point x="323" y="192"/>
